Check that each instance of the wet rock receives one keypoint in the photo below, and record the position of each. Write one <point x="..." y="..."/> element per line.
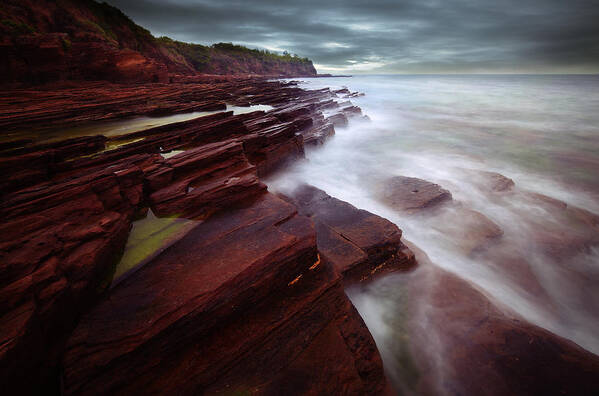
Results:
<point x="489" y="352"/>
<point x="58" y="246"/>
<point x="352" y="111"/>
<point x="358" y="243"/>
<point x="565" y="231"/>
<point x="242" y="302"/>
<point x="469" y="229"/>
<point x="69" y="213"/>
<point x="410" y="195"/>
<point x="490" y="181"/>
<point x="338" y="120"/>
<point x="29" y="165"/>
<point x="202" y="180"/>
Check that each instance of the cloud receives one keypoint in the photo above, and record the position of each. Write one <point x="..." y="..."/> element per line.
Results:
<point x="410" y="36"/>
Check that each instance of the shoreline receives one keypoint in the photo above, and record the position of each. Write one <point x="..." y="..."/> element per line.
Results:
<point x="89" y="199"/>
<point x="236" y="288"/>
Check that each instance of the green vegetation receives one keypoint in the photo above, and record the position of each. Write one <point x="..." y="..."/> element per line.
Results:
<point x="148" y="237"/>
<point x="118" y="30"/>
<point x="233" y="49"/>
<point x="199" y="55"/>
<point x="196" y="54"/>
<point x="113" y="21"/>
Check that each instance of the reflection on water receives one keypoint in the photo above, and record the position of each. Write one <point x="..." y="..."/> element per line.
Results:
<point x="119" y="127"/>
<point x="148" y="237"/>
<point x="540" y="131"/>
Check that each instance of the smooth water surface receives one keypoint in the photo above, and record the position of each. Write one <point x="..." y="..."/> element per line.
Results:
<point x="540" y="131"/>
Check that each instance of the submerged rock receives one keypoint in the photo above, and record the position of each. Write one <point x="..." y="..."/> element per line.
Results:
<point x="469" y="229"/>
<point x="410" y="195"/>
<point x="486" y="351"/>
<point x="490" y="181"/>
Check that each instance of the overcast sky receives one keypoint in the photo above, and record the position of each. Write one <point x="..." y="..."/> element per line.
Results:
<point x="386" y="36"/>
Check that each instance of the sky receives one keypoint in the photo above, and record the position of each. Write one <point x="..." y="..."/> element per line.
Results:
<point x="386" y="36"/>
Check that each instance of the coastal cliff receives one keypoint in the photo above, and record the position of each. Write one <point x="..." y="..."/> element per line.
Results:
<point x="156" y="260"/>
<point x="45" y="41"/>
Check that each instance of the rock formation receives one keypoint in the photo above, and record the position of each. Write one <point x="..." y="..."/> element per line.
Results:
<point x="359" y="244"/>
<point x="45" y="41"/>
<point x="410" y="195"/>
<point x="248" y="297"/>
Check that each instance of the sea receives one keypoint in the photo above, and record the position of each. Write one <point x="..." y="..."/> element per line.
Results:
<point x="542" y="132"/>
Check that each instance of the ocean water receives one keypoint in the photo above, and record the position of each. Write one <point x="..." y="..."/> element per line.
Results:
<point x="540" y="131"/>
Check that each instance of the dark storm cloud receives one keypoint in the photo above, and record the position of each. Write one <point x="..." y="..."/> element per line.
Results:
<point x="393" y="36"/>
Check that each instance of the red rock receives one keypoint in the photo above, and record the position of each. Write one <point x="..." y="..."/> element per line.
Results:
<point x="488" y="352"/>
<point x="58" y="246"/>
<point x="69" y="212"/>
<point x="202" y="180"/>
<point x="358" y="243"/>
<point x="409" y="194"/>
<point x="45" y="41"/>
<point x="470" y="230"/>
<point x="567" y="232"/>
<point x="490" y="181"/>
<point x="240" y="303"/>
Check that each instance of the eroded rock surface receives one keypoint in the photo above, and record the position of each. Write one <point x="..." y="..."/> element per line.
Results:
<point x="359" y="244"/>
<point x="239" y="282"/>
<point x="410" y="194"/>
<point x="488" y="352"/>
<point x="241" y="303"/>
<point x="58" y="246"/>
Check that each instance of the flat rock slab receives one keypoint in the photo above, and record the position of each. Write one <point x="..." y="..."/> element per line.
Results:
<point x="243" y="299"/>
<point x="358" y="243"/>
<point x="410" y="194"/>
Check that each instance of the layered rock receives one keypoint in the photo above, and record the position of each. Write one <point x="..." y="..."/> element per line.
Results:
<point x="58" y="247"/>
<point x="45" y="41"/>
<point x="249" y="263"/>
<point x="202" y="180"/>
<point x="358" y="243"/>
<point x="241" y="303"/>
<point x="488" y="352"/>
<point x="269" y="140"/>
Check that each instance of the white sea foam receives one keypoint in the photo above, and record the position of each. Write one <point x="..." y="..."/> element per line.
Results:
<point x="541" y="131"/>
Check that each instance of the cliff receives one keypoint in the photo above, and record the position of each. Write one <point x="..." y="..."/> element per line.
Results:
<point x="44" y="41"/>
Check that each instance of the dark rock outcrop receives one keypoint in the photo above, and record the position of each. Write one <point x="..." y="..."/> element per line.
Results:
<point x="58" y="246"/>
<point x="245" y="281"/>
<point x="243" y="302"/>
<point x="358" y="243"/>
<point x="44" y="41"/>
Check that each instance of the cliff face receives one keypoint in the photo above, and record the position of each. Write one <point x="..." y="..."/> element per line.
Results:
<point x="49" y="40"/>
